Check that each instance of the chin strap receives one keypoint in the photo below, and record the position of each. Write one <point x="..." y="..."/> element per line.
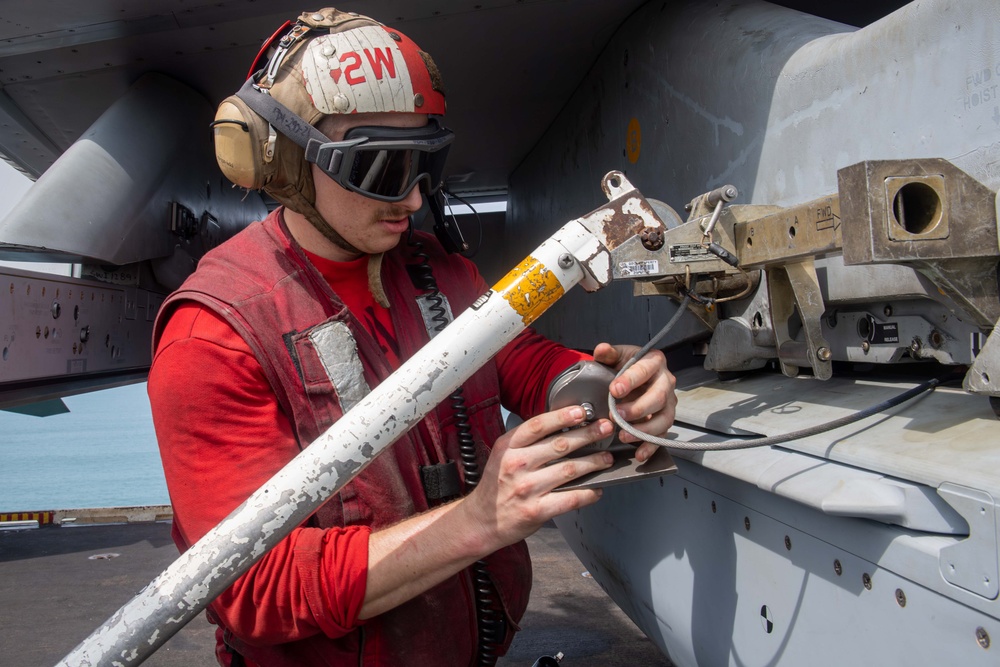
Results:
<point x="374" y="261"/>
<point x="375" y="279"/>
<point x="292" y="198"/>
<point x="328" y="232"/>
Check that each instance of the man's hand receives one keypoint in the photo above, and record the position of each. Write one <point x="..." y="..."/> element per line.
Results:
<point x="514" y="497"/>
<point x="645" y="392"/>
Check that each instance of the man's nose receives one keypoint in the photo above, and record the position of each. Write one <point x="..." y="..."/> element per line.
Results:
<point x="414" y="200"/>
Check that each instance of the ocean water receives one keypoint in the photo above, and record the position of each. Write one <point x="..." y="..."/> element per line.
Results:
<point x="100" y="454"/>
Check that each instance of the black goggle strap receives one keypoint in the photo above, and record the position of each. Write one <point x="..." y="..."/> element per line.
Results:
<point x="329" y="155"/>
<point x="282" y="118"/>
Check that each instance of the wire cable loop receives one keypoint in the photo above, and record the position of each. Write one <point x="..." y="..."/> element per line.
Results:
<point x="753" y="442"/>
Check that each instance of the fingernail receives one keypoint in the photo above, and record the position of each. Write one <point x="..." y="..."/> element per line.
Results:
<point x="618" y="388"/>
<point x="604" y="428"/>
<point x="599" y="492"/>
<point x="621" y="412"/>
<point x="577" y="412"/>
<point x="608" y="458"/>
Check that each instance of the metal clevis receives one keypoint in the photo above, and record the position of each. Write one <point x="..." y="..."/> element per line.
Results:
<point x="898" y="266"/>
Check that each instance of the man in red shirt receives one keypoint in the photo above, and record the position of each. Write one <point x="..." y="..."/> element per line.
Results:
<point x="420" y="560"/>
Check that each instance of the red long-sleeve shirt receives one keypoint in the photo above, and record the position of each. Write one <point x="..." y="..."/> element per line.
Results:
<point x="222" y="434"/>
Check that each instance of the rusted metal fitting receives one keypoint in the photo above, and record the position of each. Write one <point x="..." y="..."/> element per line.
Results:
<point x="652" y="239"/>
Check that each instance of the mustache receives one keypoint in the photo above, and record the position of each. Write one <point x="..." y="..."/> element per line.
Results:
<point x="393" y="213"/>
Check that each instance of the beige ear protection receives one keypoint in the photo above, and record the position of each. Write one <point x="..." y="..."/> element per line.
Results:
<point x="244" y="144"/>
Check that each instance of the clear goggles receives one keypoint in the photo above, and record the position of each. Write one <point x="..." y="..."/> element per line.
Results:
<point x="385" y="163"/>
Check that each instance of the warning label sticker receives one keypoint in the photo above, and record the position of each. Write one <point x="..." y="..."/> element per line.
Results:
<point x="690" y="252"/>
<point x="646" y="267"/>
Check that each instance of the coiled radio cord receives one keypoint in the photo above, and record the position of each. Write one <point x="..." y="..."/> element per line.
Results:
<point x="489" y="621"/>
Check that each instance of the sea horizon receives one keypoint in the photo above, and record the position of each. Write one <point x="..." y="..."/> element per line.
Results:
<point x="102" y="453"/>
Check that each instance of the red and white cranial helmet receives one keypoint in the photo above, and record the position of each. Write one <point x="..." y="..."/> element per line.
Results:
<point x="369" y="69"/>
<point x="333" y="62"/>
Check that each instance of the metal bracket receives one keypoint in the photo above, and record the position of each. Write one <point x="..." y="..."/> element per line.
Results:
<point x="984" y="375"/>
<point x="616" y="228"/>
<point x="183" y="222"/>
<point x="796" y="286"/>
<point x="928" y="214"/>
<point x="972" y="563"/>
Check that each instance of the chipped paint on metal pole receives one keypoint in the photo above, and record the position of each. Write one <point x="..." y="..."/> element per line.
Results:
<point x="214" y="562"/>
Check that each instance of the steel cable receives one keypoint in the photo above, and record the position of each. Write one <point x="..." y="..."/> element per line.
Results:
<point x="753" y="442"/>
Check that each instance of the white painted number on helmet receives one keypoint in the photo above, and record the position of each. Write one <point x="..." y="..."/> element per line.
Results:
<point x="361" y="70"/>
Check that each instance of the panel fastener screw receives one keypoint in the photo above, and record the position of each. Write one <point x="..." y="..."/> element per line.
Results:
<point x="866" y="579"/>
<point x="900" y="597"/>
<point x="982" y="637"/>
<point x="837" y="567"/>
<point x="746" y="522"/>
<point x="565" y="260"/>
<point x="788" y="542"/>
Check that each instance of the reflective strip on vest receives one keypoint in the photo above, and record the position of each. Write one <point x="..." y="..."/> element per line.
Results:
<point x="339" y="354"/>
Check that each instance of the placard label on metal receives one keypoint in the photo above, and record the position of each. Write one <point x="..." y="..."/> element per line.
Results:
<point x="645" y="267"/>
<point x="122" y="275"/>
<point x="690" y="252"/>
<point x="885" y="333"/>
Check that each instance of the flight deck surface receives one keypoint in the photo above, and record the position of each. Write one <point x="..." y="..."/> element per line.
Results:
<point x="57" y="584"/>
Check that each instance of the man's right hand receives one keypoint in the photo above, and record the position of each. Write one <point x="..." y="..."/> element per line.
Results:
<point x="513" y="499"/>
<point x="515" y="496"/>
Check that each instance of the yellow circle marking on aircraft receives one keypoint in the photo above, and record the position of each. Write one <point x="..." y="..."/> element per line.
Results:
<point x="633" y="140"/>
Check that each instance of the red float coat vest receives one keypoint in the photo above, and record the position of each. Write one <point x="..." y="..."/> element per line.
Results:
<point x="261" y="283"/>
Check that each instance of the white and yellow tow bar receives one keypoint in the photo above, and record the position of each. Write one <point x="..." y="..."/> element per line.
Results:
<point x="580" y="252"/>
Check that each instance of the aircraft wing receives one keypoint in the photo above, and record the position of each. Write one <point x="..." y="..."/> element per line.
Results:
<point x="108" y="107"/>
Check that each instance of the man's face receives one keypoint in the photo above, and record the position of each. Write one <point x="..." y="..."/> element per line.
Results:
<point x="369" y="225"/>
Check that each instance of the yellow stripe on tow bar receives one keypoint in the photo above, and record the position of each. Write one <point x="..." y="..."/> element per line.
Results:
<point x="529" y="288"/>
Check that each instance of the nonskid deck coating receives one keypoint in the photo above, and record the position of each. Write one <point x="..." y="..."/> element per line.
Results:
<point x="53" y="594"/>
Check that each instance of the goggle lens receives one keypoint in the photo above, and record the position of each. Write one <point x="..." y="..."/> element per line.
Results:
<point x="385" y="163"/>
<point x="383" y="173"/>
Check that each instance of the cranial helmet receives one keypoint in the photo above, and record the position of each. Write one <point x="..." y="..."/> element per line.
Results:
<point x="327" y="62"/>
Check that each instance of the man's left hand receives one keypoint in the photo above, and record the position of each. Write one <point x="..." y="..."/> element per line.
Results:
<point x="645" y="392"/>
